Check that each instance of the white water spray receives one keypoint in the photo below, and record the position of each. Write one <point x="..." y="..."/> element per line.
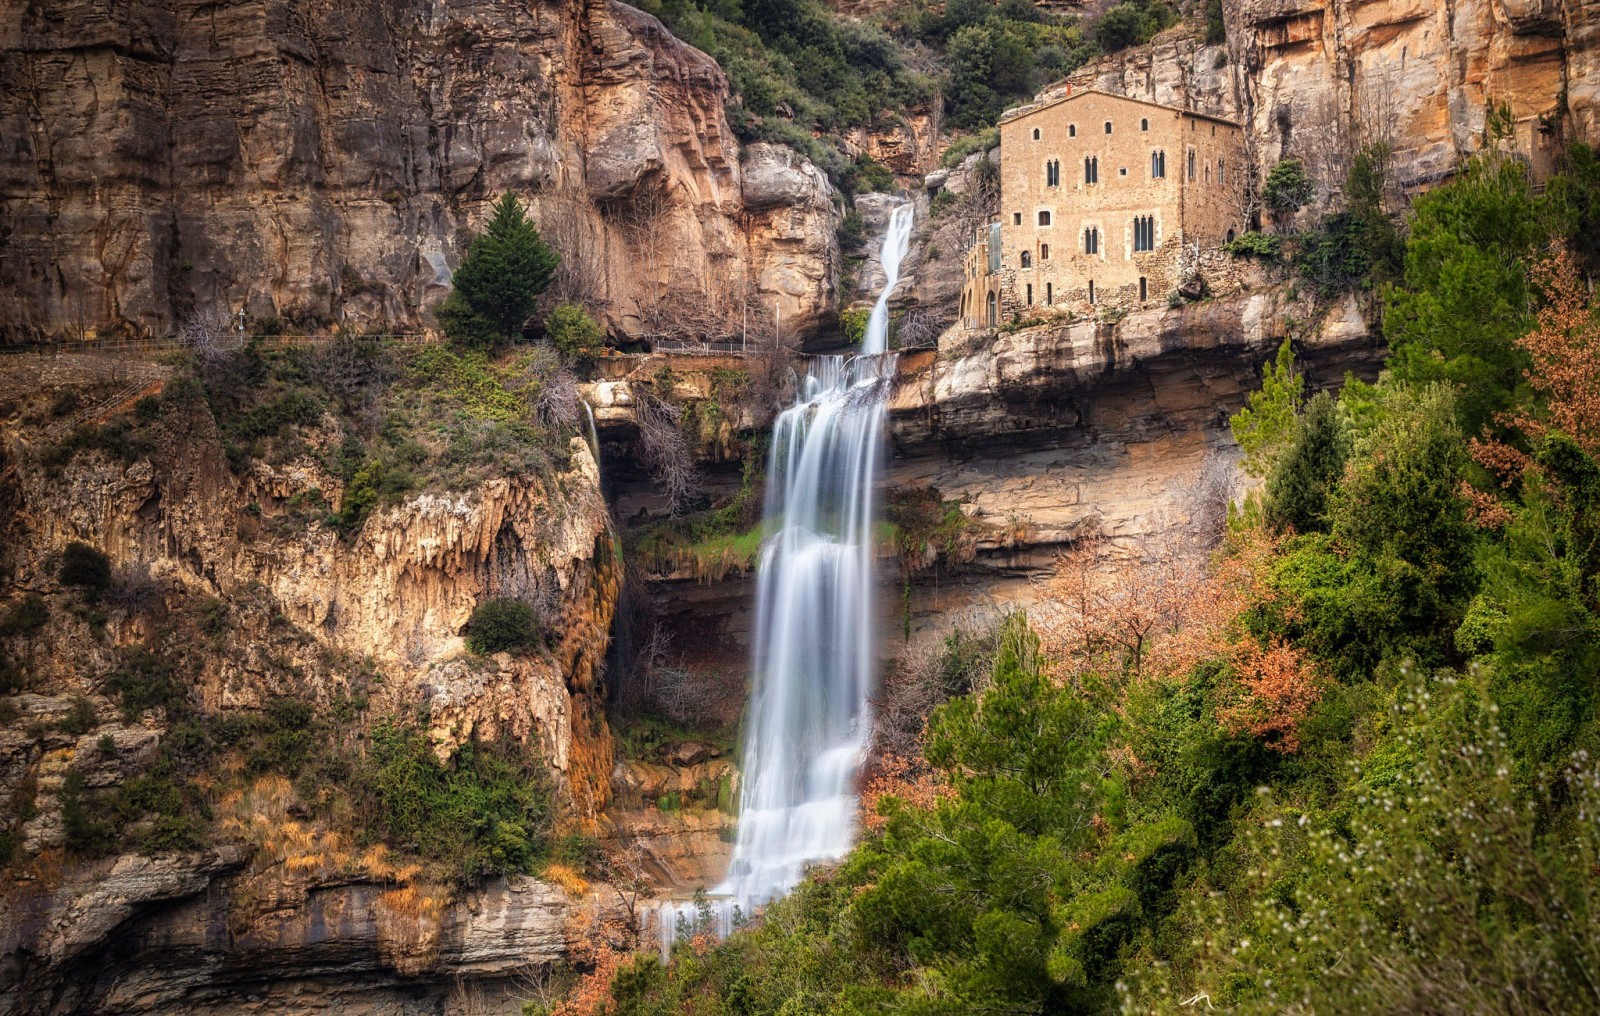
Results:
<point x="809" y="718"/>
<point x="896" y="239"/>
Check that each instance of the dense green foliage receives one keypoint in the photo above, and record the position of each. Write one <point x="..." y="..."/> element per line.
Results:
<point x="1427" y="839"/>
<point x="501" y="624"/>
<point x="85" y="567"/>
<point x="1309" y="469"/>
<point x="499" y="280"/>
<point x="1264" y="426"/>
<point x="572" y="331"/>
<point x="1465" y="295"/>
<point x="486" y="812"/>
<point x="1287" y="187"/>
<point x="800" y="70"/>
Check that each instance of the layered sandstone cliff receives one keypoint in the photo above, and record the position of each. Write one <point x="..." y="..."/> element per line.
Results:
<point x="1313" y="80"/>
<point x="322" y="164"/>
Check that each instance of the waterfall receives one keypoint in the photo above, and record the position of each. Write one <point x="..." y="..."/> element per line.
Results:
<point x="590" y="433"/>
<point x="809" y="717"/>
<point x="895" y="241"/>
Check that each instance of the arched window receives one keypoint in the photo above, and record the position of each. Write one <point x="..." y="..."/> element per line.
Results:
<point x="1052" y="173"/>
<point x="1027" y="259"/>
<point x="1158" y="165"/>
<point x="1144" y="233"/>
<point x="1108" y="126"/>
<point x="1144" y="125"/>
<point x="1044" y="218"/>
<point x="1230" y="236"/>
<point x="1072" y="130"/>
<point x="1036" y="134"/>
<point x="1091" y="169"/>
<point x="993" y="316"/>
<point x="1091" y="241"/>
<point x="1044" y="252"/>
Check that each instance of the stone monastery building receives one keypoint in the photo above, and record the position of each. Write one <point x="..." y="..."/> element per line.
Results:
<point x="1106" y="202"/>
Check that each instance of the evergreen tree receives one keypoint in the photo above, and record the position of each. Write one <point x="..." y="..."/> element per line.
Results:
<point x="1465" y="297"/>
<point x="1297" y="490"/>
<point x="499" y="280"/>
<point x="1266" y="423"/>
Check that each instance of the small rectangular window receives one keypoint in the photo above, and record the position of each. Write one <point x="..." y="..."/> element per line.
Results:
<point x="1049" y="294"/>
<point x="1091" y="291"/>
<point x="1030" y="294"/>
<point x="1016" y="218"/>
<point x="1144" y="289"/>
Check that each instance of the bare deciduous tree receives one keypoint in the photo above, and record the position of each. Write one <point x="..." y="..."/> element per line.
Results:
<point x="581" y="276"/>
<point x="1208" y="494"/>
<point x="664" y="449"/>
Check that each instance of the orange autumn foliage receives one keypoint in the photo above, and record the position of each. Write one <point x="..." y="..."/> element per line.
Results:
<point x="909" y="780"/>
<point x="1277" y="688"/>
<point x="1161" y="611"/>
<point x="1564" y="349"/>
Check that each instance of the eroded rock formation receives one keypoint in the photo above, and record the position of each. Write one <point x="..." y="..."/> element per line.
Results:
<point x="321" y="164"/>
<point x="1313" y="79"/>
<point x="172" y="934"/>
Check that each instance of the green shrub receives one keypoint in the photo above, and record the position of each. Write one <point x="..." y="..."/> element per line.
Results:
<point x="852" y="231"/>
<point x="1309" y="470"/>
<point x="503" y="624"/>
<point x="486" y="812"/>
<point x="288" y="738"/>
<point x="868" y="175"/>
<point x="1253" y="244"/>
<point x="573" y="331"/>
<point x="27" y="617"/>
<point x="295" y="407"/>
<point x="86" y="833"/>
<point x="146" y="680"/>
<point x="960" y="148"/>
<point x="85" y="567"/>
<point x="1130" y="23"/>
<point x="1287" y="187"/>
<point x="81" y="717"/>
<point x="853" y="324"/>
<point x="1216" y="27"/>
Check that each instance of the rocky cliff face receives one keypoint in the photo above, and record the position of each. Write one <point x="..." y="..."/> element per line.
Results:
<point x="321" y="164"/>
<point x="398" y="595"/>
<point x="1313" y="79"/>
<point x="356" y="627"/>
<point x="169" y="935"/>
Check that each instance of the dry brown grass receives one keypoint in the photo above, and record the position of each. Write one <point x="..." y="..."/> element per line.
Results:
<point x="409" y="921"/>
<point x="567" y="877"/>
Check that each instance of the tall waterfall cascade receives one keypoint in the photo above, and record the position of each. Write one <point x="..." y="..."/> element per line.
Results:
<point x="809" y="718"/>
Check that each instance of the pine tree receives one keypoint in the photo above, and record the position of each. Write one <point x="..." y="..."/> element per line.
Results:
<point x="1297" y="490"/>
<point x="1264" y="426"/>
<point x="499" y="280"/>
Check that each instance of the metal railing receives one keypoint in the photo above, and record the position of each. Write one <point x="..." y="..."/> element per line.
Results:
<point x="143" y="378"/>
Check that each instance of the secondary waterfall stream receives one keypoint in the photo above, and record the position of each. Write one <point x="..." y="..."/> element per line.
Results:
<point x="809" y="717"/>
